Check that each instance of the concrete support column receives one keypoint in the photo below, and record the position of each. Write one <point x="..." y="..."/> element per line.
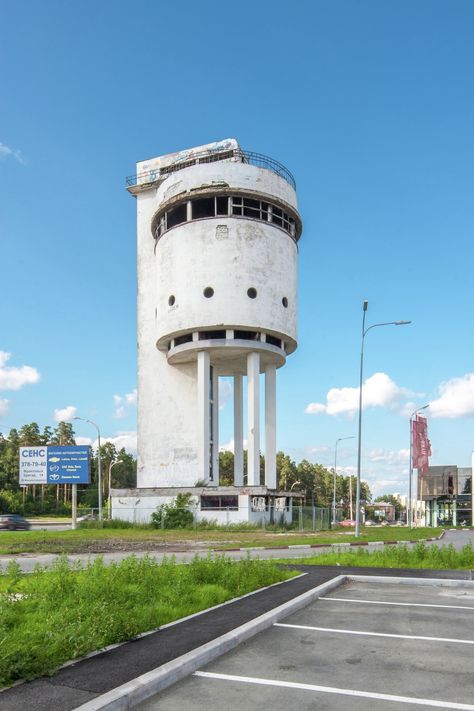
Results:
<point x="238" y="431"/>
<point x="203" y="371"/>
<point x="215" y="428"/>
<point x="270" y="427"/>
<point x="253" y="403"/>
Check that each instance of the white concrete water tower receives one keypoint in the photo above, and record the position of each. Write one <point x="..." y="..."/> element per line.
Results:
<point x="217" y="231"/>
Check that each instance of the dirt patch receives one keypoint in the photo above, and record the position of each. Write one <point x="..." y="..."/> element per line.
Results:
<point x="112" y="545"/>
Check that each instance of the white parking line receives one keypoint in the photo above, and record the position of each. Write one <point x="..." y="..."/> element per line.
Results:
<point x="375" y="634"/>
<point x="341" y="692"/>
<point x="404" y="604"/>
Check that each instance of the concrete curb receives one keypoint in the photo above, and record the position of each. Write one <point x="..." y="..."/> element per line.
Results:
<point x="134" y="692"/>
<point x="398" y="580"/>
<point x="321" y="545"/>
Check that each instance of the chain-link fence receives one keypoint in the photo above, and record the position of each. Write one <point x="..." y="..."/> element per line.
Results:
<point x="289" y="518"/>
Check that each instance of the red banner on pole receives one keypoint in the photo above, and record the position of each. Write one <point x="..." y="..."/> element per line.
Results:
<point x="421" y="451"/>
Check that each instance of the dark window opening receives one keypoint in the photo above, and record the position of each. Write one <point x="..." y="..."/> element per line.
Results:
<point x="187" y="338"/>
<point x="219" y="502"/>
<point x="236" y="206"/>
<point x="216" y="156"/>
<point x="207" y="335"/>
<point x="277" y="216"/>
<point x="208" y="292"/>
<point x="247" y="335"/>
<point x="252" y="208"/>
<point x="171" y="300"/>
<point x="177" y="166"/>
<point x="202" y="208"/>
<point x="222" y="206"/>
<point x="273" y="341"/>
<point x="252" y="293"/>
<point x="284" y="301"/>
<point x="176" y="216"/>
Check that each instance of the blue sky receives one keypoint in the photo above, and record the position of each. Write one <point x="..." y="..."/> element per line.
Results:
<point x="370" y="104"/>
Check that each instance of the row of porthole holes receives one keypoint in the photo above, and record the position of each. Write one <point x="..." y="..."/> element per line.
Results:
<point x="209" y="292"/>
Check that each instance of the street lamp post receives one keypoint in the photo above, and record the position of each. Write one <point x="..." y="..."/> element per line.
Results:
<point x="410" y="481"/>
<point x="99" y="463"/>
<point x="335" y="474"/>
<point x="109" y="485"/>
<point x="364" y="333"/>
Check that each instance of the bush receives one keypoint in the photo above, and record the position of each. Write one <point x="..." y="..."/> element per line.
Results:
<point x="11" y="502"/>
<point x="174" y="515"/>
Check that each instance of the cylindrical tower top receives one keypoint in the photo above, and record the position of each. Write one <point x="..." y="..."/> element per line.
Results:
<point x="217" y="249"/>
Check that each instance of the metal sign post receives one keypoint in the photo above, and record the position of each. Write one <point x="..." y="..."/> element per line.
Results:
<point x="74" y="507"/>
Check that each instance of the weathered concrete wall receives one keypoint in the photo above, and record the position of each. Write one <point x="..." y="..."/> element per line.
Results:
<point x="233" y="175"/>
<point x="230" y="255"/>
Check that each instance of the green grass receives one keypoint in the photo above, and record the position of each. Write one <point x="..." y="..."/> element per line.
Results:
<point x="421" y="555"/>
<point x="50" y="617"/>
<point x="103" y="540"/>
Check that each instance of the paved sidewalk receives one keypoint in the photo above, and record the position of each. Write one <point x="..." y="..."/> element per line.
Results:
<point x="91" y="677"/>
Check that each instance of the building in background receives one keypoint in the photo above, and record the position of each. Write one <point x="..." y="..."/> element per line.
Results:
<point x="217" y="231"/>
<point x="447" y="493"/>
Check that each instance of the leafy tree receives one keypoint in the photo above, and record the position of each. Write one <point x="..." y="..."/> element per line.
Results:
<point x="124" y="472"/>
<point x="390" y="499"/>
<point x="63" y="434"/>
<point x="286" y="471"/>
<point x="175" y="514"/>
<point x="226" y="468"/>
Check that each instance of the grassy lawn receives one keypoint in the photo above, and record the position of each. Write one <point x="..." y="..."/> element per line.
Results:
<point x="109" y="539"/>
<point x="421" y="555"/>
<point x="48" y="618"/>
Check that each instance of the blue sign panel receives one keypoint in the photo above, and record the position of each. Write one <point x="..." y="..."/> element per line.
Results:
<point x="68" y="465"/>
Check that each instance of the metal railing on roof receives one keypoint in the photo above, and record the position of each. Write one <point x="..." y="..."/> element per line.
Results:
<point x="238" y="154"/>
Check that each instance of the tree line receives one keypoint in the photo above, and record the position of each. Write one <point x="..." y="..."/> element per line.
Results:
<point x="56" y="498"/>
<point x="314" y="481"/>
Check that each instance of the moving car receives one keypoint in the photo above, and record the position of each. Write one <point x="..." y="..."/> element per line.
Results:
<point x="14" y="522"/>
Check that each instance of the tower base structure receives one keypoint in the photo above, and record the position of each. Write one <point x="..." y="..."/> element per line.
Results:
<point x="217" y="246"/>
<point x="223" y="505"/>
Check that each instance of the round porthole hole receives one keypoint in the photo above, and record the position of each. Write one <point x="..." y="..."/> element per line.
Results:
<point x="252" y="293"/>
<point x="171" y="300"/>
<point x="284" y="301"/>
<point x="208" y="292"/>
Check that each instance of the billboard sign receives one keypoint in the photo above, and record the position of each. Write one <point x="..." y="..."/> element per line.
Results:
<point x="68" y="465"/>
<point x="54" y="465"/>
<point x="33" y="465"/>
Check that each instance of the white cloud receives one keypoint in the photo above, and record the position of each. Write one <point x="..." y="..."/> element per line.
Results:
<point x="125" y="438"/>
<point x="323" y="449"/>
<point x="7" y="152"/>
<point x="123" y="402"/>
<point x="456" y="398"/>
<point x="225" y="392"/>
<point x="4" y="406"/>
<point x="378" y="391"/>
<point x="388" y="485"/>
<point x="65" y="414"/>
<point x="12" y="378"/>
<point x="229" y="446"/>
<point x="389" y="456"/>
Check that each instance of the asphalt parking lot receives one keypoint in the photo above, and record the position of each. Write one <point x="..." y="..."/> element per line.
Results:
<point x="375" y="644"/>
